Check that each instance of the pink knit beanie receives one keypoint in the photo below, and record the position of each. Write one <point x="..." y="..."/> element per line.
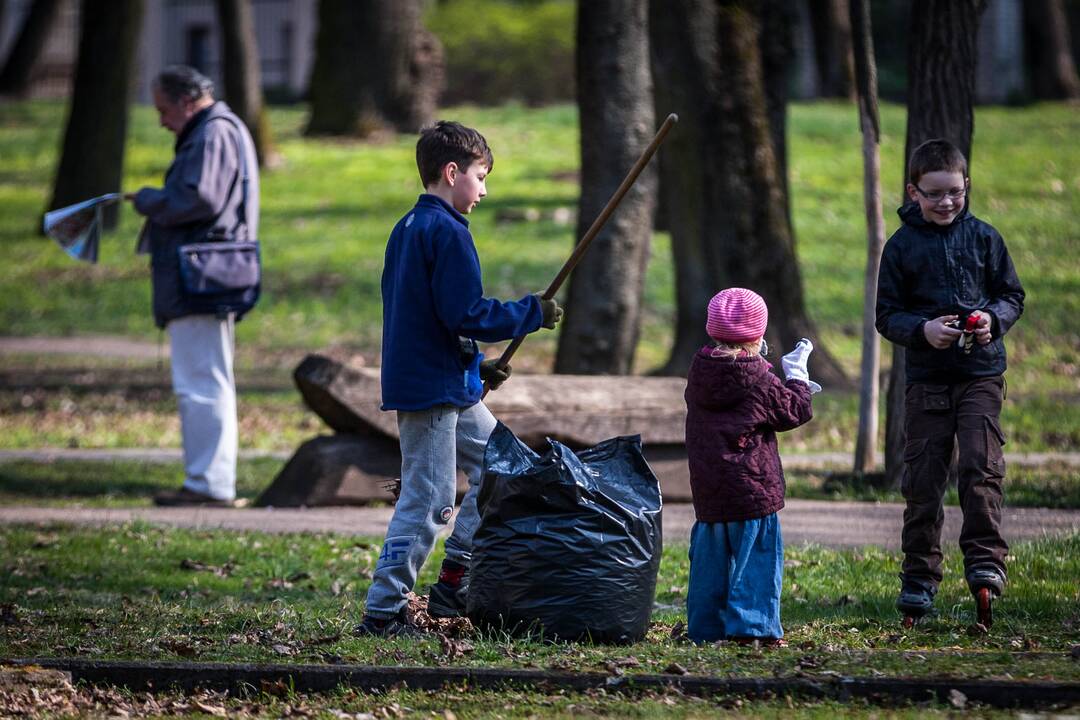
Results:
<point x="737" y="315"/>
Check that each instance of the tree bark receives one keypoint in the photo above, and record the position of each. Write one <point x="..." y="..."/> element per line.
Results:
<point x="92" y="159"/>
<point x="869" y="121"/>
<point x="1051" y="64"/>
<point x="19" y="67"/>
<point x="243" y="76"/>
<point x="941" y="98"/>
<point x="724" y="173"/>
<point x="376" y="68"/>
<point x="830" y="24"/>
<point x="761" y="252"/>
<point x="682" y="39"/>
<point x="603" y="309"/>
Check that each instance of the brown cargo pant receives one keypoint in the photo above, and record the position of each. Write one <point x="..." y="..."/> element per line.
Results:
<point x="934" y="415"/>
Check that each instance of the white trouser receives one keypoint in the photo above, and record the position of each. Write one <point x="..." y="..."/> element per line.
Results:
<point x="202" y="376"/>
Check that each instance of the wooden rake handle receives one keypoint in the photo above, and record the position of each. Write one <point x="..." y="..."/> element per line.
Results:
<point x="593" y="231"/>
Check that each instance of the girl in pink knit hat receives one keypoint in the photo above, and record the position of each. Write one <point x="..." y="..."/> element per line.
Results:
<point x="735" y="406"/>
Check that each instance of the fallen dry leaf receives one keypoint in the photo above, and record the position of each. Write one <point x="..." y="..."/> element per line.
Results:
<point x="215" y="710"/>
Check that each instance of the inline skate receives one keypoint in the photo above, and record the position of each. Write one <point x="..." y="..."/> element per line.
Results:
<point x="916" y="599"/>
<point x="986" y="583"/>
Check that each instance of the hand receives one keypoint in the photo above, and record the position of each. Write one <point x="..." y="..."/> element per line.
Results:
<point x="940" y="335"/>
<point x="982" y="327"/>
<point x="794" y="364"/>
<point x="129" y="196"/>
<point x="551" y="310"/>
<point x="493" y="375"/>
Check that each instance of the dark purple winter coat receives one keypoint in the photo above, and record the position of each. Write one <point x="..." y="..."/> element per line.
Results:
<point x="734" y="408"/>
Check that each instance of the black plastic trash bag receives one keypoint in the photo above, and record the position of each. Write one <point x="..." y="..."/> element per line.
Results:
<point x="569" y="544"/>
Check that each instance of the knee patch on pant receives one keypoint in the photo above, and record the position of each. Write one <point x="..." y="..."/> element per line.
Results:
<point x="442" y="515"/>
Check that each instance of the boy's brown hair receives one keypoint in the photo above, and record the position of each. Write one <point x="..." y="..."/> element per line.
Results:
<point x="933" y="156"/>
<point x="449" y="142"/>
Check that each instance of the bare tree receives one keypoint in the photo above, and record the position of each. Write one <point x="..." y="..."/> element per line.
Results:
<point x="830" y="23"/>
<point x="941" y="99"/>
<point x="376" y="67"/>
<point x="243" y="76"/>
<point x="92" y="159"/>
<point x="725" y="178"/>
<point x="603" y="309"/>
<point x="869" y="121"/>
<point x="1050" y="57"/>
<point x="18" y="69"/>
<point x="683" y="44"/>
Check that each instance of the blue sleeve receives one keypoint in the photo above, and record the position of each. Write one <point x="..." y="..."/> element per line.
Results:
<point x="459" y="295"/>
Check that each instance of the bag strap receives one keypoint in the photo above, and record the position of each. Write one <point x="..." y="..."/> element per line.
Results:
<point x="241" y="210"/>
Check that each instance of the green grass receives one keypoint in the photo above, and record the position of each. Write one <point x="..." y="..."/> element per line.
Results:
<point x="326" y="214"/>
<point x="119" y="483"/>
<point x="127" y="592"/>
<point x="463" y="702"/>
<point x="1051" y="486"/>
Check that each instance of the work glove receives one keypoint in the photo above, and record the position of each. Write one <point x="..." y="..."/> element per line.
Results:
<point x="493" y="375"/>
<point x="794" y="364"/>
<point x="551" y="310"/>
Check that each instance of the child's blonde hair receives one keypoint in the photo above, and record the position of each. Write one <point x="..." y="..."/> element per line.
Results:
<point x="731" y="350"/>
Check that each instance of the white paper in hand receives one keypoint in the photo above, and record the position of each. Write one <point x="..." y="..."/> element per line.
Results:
<point x="77" y="228"/>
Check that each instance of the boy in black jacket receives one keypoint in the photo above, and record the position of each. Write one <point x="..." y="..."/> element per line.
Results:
<point x="944" y="272"/>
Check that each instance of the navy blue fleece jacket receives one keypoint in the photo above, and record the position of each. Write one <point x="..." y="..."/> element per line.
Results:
<point x="434" y="311"/>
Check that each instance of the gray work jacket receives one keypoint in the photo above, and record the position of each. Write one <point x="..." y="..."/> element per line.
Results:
<point x="202" y="194"/>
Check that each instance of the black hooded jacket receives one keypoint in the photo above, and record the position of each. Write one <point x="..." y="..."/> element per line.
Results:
<point x="930" y="270"/>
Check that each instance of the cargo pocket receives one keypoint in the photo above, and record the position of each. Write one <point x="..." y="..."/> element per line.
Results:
<point x="935" y="399"/>
<point x="914" y="462"/>
<point x="995" y="458"/>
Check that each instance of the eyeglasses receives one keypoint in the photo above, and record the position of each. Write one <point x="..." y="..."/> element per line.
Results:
<point x="936" y="196"/>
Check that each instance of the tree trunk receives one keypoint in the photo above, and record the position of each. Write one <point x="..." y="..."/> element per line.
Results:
<point x="830" y="24"/>
<point x="682" y="39"/>
<point x="1052" y="67"/>
<point x="603" y="308"/>
<point x="941" y="98"/>
<point x="723" y="173"/>
<point x="761" y="252"/>
<point x="19" y="67"/>
<point x="92" y="160"/>
<point x="866" y="89"/>
<point x="376" y="68"/>
<point x="243" y="76"/>
<point x="778" y="19"/>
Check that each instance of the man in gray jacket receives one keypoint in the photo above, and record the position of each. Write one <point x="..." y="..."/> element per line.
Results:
<point x="203" y="195"/>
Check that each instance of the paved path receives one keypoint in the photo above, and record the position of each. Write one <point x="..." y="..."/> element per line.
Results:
<point x="830" y="524"/>
<point x="93" y="345"/>
<point x="792" y="461"/>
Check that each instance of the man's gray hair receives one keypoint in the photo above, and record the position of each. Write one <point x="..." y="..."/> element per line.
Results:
<point x="181" y="82"/>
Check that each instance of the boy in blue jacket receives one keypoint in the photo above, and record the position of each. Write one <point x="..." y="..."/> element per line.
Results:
<point x="434" y="311"/>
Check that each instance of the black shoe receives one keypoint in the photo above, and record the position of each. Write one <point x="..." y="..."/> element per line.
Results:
<point x="189" y="498"/>
<point x="397" y="626"/>
<point x="446" y="601"/>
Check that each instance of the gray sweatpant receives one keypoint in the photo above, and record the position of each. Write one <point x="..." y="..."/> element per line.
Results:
<point x="434" y="443"/>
